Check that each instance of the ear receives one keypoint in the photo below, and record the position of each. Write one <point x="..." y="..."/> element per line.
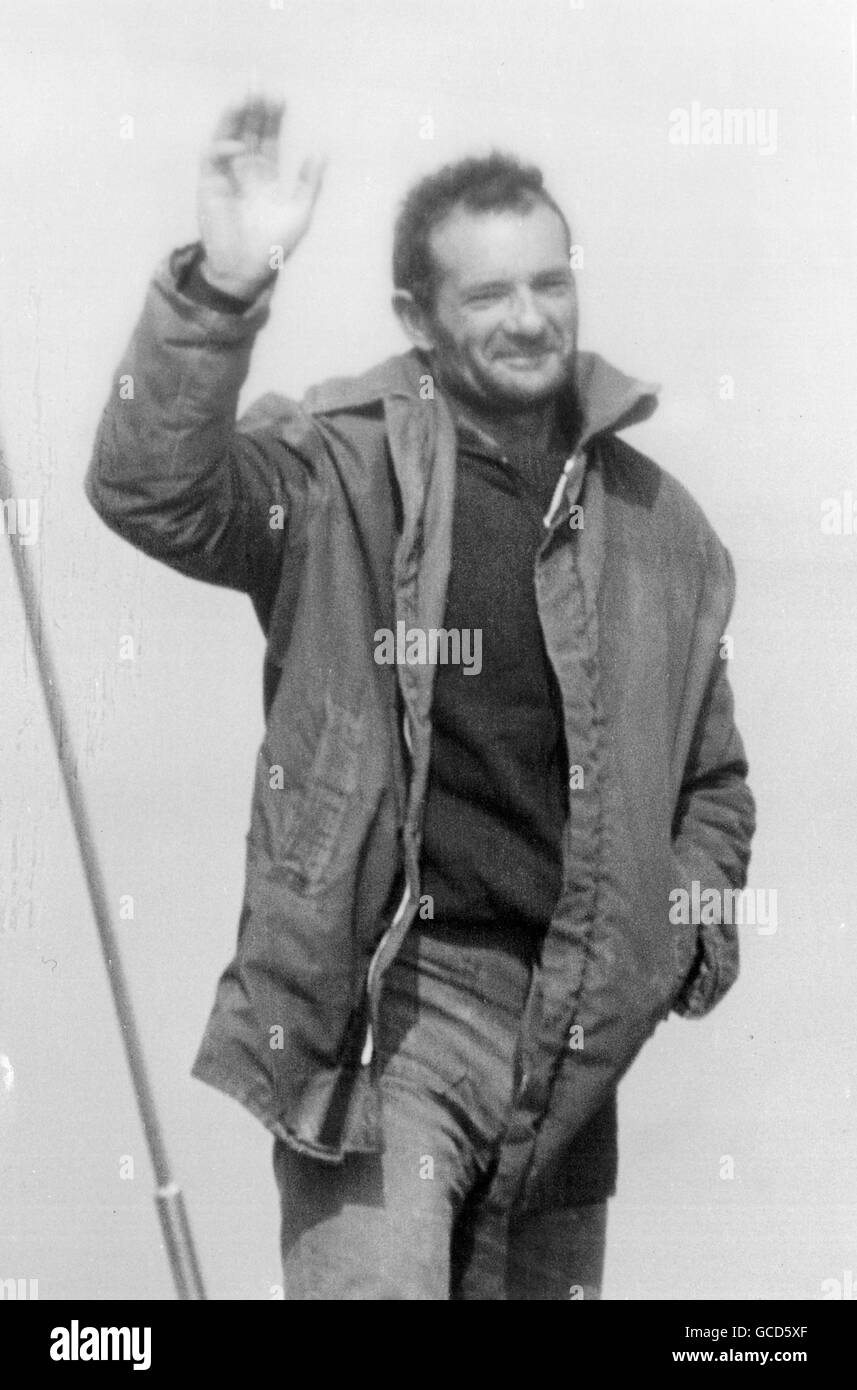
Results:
<point x="414" y="320"/>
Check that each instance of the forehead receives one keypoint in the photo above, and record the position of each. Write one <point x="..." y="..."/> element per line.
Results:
<point x="499" y="244"/>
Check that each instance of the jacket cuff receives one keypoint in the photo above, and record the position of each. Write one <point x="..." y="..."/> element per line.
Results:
<point x="193" y="285"/>
<point x="225" y="320"/>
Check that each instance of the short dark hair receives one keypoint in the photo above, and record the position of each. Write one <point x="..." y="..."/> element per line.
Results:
<point x="490" y="183"/>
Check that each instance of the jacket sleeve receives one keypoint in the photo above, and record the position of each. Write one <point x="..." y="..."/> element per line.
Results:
<point x="172" y="473"/>
<point x="713" y="827"/>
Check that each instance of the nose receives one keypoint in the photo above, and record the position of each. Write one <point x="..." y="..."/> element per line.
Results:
<point x="525" y="317"/>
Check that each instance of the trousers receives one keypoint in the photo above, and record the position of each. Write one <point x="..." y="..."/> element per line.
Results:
<point x="412" y="1223"/>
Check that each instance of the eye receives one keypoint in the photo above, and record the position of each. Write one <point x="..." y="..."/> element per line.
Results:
<point x="490" y="294"/>
<point x="557" y="284"/>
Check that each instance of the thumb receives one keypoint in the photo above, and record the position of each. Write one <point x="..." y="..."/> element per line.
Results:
<point x="309" y="181"/>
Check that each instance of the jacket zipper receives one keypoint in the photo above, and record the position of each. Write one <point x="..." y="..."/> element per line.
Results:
<point x="369" y="1044"/>
<point x="559" y="490"/>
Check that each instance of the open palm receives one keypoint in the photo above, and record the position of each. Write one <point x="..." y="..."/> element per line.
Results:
<point x="246" y="216"/>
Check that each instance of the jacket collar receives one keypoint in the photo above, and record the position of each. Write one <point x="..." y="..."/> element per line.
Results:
<point x="608" y="399"/>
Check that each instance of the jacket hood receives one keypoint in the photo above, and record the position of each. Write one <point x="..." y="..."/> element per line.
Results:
<point x="608" y="399"/>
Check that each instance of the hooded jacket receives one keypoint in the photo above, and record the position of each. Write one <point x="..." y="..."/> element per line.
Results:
<point x="335" y="516"/>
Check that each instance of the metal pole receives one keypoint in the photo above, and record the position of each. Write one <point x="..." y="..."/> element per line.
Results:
<point x="168" y="1196"/>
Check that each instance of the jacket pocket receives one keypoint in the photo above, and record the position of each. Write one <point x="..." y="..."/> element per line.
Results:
<point x="314" y="822"/>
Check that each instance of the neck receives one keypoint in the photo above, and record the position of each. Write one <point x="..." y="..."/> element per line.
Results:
<point x="530" y="430"/>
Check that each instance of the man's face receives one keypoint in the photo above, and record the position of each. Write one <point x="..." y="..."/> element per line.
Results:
<point x="504" y="321"/>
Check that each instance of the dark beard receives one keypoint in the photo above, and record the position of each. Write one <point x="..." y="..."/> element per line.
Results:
<point x="564" y="401"/>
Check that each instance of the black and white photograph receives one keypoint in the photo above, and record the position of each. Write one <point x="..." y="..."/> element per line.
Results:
<point x="428" y="809"/>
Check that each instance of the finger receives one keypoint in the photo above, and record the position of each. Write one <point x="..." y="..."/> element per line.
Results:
<point x="219" y="160"/>
<point x="240" y="122"/>
<point x="255" y="115"/>
<point x="230" y="125"/>
<point x="220" y="151"/>
<point x="272" y="123"/>
<point x="309" y="180"/>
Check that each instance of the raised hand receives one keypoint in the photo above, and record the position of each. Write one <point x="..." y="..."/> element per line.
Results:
<point x="248" y="221"/>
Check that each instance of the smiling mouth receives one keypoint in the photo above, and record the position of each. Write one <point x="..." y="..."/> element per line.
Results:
<point x="525" y="359"/>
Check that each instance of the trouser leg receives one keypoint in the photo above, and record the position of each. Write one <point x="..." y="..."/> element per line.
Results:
<point x="558" y="1254"/>
<point x="380" y="1226"/>
<point x="376" y="1227"/>
<point x="551" y="1255"/>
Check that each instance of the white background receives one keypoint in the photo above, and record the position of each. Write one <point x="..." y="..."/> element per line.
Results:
<point x="700" y="262"/>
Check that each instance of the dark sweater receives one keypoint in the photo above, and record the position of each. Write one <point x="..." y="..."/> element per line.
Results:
<point x="497" y="797"/>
